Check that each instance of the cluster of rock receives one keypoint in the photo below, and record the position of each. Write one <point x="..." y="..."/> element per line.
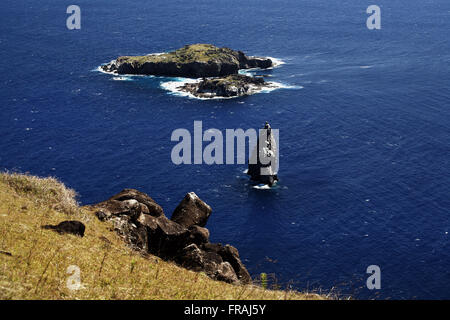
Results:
<point x="183" y="239"/>
<point x="230" y="86"/>
<point x="198" y="61"/>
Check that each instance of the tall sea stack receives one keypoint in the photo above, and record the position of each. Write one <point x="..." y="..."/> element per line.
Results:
<point x="263" y="164"/>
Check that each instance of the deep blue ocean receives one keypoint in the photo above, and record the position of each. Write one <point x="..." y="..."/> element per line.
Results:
<point x="364" y="128"/>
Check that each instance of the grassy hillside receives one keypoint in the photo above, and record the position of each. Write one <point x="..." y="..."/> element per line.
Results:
<point x="34" y="262"/>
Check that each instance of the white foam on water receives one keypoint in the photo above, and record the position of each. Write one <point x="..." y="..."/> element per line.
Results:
<point x="365" y="67"/>
<point x="99" y="68"/>
<point x="156" y="54"/>
<point x="128" y="78"/>
<point x="246" y="72"/>
<point x="174" y="87"/>
<point x="278" y="85"/>
<point x="276" y="62"/>
<point x="262" y="187"/>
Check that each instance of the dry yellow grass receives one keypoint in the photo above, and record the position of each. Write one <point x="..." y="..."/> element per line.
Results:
<point x="38" y="265"/>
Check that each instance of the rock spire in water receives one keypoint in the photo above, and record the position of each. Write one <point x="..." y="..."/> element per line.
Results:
<point x="263" y="164"/>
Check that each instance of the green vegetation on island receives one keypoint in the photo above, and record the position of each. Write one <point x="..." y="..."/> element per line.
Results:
<point x="192" y="61"/>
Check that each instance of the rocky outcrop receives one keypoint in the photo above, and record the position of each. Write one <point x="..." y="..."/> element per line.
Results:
<point x="196" y="259"/>
<point x="192" y="61"/>
<point x="146" y="204"/>
<point x="68" y="227"/>
<point x="263" y="164"/>
<point x="141" y="222"/>
<point x="231" y="255"/>
<point x="191" y="211"/>
<point x="232" y="86"/>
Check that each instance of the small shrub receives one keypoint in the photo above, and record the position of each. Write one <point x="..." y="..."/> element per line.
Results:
<point x="264" y="280"/>
<point x="45" y="191"/>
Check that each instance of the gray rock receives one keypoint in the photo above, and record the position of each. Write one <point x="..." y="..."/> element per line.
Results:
<point x="198" y="235"/>
<point x="225" y="272"/>
<point x="154" y="209"/>
<point x="166" y="237"/>
<point x="231" y="255"/>
<point x="196" y="259"/>
<point x="191" y="211"/>
<point x="135" y="235"/>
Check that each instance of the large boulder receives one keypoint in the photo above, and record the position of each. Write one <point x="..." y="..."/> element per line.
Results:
<point x="191" y="211"/>
<point x="153" y="208"/>
<point x="198" y="235"/>
<point x="196" y="259"/>
<point x="193" y="258"/>
<point x="165" y="237"/>
<point x="124" y="210"/>
<point x="231" y="255"/>
<point x="134" y="234"/>
<point x="111" y="208"/>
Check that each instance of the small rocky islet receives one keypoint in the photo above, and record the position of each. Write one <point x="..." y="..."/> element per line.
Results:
<point x="218" y="69"/>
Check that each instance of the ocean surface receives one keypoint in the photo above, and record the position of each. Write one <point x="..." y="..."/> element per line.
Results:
<point x="364" y="120"/>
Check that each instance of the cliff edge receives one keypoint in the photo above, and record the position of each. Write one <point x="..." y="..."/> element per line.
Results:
<point x="38" y="263"/>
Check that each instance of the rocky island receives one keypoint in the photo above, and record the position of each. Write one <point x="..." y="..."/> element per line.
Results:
<point x="192" y="61"/>
<point x="217" y="67"/>
<point x="231" y="86"/>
